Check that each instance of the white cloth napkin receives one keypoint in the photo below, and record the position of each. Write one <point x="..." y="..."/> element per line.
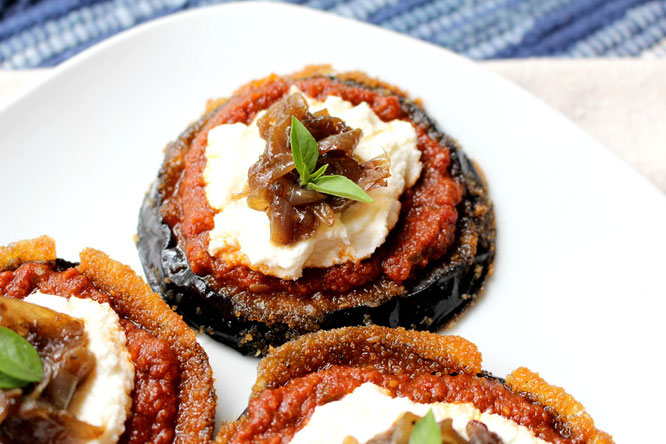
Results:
<point x="620" y="102"/>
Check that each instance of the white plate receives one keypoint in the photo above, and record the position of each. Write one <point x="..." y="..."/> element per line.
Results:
<point x="578" y="290"/>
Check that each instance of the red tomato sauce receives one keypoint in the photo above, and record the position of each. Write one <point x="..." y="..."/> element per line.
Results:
<point x="277" y="414"/>
<point x="426" y="227"/>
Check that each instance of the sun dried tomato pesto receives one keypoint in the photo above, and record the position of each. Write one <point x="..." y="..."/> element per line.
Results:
<point x="155" y="395"/>
<point x="426" y="227"/>
<point x="277" y="414"/>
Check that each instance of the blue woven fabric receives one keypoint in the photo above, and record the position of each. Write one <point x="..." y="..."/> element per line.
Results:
<point x="36" y="33"/>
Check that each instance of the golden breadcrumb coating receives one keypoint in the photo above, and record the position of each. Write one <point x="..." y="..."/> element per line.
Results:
<point x="568" y="411"/>
<point x="390" y="350"/>
<point x="30" y="250"/>
<point x="133" y="299"/>
<point x="309" y="71"/>
<point x="229" y="429"/>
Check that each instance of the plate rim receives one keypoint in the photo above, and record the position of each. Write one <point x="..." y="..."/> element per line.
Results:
<point x="574" y="132"/>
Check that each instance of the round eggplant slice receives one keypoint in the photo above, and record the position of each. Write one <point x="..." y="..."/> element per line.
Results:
<point x="323" y="367"/>
<point x="433" y="299"/>
<point x="164" y="350"/>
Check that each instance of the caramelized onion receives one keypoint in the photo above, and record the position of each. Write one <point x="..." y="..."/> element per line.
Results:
<point x="273" y="184"/>
<point x="39" y="410"/>
<point x="401" y="431"/>
<point x="281" y="164"/>
<point x="323" y="126"/>
<point x="258" y="202"/>
<point x="8" y="399"/>
<point x="449" y="435"/>
<point x="478" y="433"/>
<point x="37" y="421"/>
<point x="404" y="427"/>
<point x="61" y="343"/>
<point x="292" y="105"/>
<point x="375" y="172"/>
<point x="283" y="220"/>
<point x="324" y="213"/>
<point x="345" y="142"/>
<point x="341" y="164"/>
<point x="298" y="196"/>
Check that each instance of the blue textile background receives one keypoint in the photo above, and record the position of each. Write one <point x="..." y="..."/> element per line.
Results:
<point x="36" y="33"/>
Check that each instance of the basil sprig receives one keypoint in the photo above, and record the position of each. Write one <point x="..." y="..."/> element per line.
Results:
<point x="426" y="431"/>
<point x="20" y="363"/>
<point x="305" y="152"/>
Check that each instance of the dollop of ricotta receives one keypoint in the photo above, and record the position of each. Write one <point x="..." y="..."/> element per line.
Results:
<point x="242" y="235"/>
<point x="104" y="398"/>
<point x="370" y="410"/>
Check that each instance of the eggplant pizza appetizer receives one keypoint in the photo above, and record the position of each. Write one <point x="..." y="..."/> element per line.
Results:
<point x="91" y="354"/>
<point x="378" y="385"/>
<point x="315" y="201"/>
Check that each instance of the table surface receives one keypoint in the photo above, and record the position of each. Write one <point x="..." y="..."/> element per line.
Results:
<point x="620" y="102"/>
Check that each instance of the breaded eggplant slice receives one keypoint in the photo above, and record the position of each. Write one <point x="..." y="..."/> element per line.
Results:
<point x="398" y="359"/>
<point x="428" y="300"/>
<point x="133" y="300"/>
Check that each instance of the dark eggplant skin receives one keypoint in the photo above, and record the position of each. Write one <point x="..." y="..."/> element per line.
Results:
<point x="440" y="293"/>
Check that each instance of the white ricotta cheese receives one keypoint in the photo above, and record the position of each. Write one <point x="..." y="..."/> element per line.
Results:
<point x="242" y="235"/>
<point x="104" y="398"/>
<point x="370" y="410"/>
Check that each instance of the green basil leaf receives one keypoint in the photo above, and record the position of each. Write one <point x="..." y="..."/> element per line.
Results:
<point x="317" y="174"/>
<point x="7" y="382"/>
<point x="304" y="150"/>
<point x="296" y="152"/>
<point x="426" y="431"/>
<point x="340" y="186"/>
<point x="18" y="358"/>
